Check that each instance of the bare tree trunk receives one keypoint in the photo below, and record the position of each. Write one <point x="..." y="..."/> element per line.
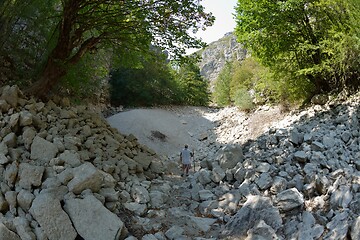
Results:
<point x="50" y="76"/>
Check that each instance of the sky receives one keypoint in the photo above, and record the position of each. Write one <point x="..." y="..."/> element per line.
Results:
<point x="223" y="11"/>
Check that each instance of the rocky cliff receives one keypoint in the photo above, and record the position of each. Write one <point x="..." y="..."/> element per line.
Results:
<point x="216" y="54"/>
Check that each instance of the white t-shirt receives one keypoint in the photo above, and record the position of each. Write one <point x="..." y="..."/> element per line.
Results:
<point x="185" y="156"/>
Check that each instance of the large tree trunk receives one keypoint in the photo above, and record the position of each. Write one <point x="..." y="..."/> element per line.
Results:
<point x="60" y="57"/>
<point x="50" y="76"/>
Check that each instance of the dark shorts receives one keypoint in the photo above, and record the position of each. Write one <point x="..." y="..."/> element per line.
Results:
<point x="186" y="165"/>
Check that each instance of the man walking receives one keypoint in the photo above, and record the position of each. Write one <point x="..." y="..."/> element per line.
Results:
<point x="185" y="158"/>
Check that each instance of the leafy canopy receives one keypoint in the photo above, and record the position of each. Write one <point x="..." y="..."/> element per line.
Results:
<point x="306" y="38"/>
<point x="64" y="31"/>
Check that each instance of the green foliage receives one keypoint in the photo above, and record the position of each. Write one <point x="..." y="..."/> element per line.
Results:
<point x="238" y="79"/>
<point x="243" y="100"/>
<point x="85" y="80"/>
<point x="221" y="94"/>
<point x="27" y="36"/>
<point x="194" y="89"/>
<point x="42" y="39"/>
<point x="154" y="82"/>
<point x="148" y="84"/>
<point x="303" y="39"/>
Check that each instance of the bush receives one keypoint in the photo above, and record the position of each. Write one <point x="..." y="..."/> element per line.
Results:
<point x="243" y="100"/>
<point x="221" y="94"/>
<point x="85" y="80"/>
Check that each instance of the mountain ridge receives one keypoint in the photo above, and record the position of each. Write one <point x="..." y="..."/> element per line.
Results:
<point x="217" y="53"/>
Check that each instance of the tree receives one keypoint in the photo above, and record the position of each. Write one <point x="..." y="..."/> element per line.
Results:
<point x="85" y="25"/>
<point x="27" y="32"/>
<point x="221" y="94"/>
<point x="299" y="37"/>
<point x="193" y="88"/>
<point x="148" y="84"/>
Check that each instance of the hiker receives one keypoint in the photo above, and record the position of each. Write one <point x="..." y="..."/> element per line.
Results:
<point x="185" y="158"/>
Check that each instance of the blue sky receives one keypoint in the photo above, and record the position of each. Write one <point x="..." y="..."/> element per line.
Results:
<point x="223" y="11"/>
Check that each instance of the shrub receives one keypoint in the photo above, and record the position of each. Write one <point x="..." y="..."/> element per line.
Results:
<point x="243" y="100"/>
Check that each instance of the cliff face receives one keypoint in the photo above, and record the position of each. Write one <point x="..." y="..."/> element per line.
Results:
<point x="215" y="55"/>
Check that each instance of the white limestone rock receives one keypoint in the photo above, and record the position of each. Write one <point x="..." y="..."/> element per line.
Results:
<point x="92" y="220"/>
<point x="54" y="221"/>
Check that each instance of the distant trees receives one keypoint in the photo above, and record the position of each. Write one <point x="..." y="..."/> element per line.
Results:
<point x="313" y="41"/>
<point x="194" y="88"/>
<point x="156" y="82"/>
<point x="63" y="32"/>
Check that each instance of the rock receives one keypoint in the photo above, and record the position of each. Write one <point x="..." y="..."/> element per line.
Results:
<point x="29" y="134"/>
<point x="11" y="95"/>
<point x="23" y="228"/>
<point x="25" y="119"/>
<point x="158" y="199"/>
<point x="289" y="199"/>
<point x="317" y="146"/>
<point x="229" y="156"/>
<point x="10" y="173"/>
<point x="300" y="156"/>
<point x="47" y="211"/>
<point x="206" y="195"/>
<point x="319" y="99"/>
<point x="71" y="158"/>
<point x="341" y="197"/>
<point x="204" y="176"/>
<point x="308" y="229"/>
<point x="328" y="142"/>
<point x="261" y="231"/>
<point x="110" y="194"/>
<point x="30" y="175"/>
<point x="295" y="137"/>
<point x="25" y="199"/>
<point x="279" y="184"/>
<point x="174" y="232"/>
<point x="338" y="226"/>
<point x="4" y="205"/>
<point x="10" y="197"/>
<point x="4" y="106"/>
<point x="214" y="56"/>
<point x="137" y="208"/>
<point x="202" y="224"/>
<point x="86" y="176"/>
<point x="140" y="194"/>
<point x="3" y="159"/>
<point x="346" y="136"/>
<point x="10" y="140"/>
<point x="7" y="234"/>
<point x="217" y="174"/>
<point x="355" y="229"/>
<point x="92" y="220"/>
<point x="43" y="150"/>
<point x="264" y="181"/>
<point x="256" y="208"/>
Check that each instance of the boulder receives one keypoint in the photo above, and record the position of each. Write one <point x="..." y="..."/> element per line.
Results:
<point x="7" y="234"/>
<point x="289" y="199"/>
<point x="229" y="156"/>
<point x="55" y="222"/>
<point x="255" y="209"/>
<point x="43" y="150"/>
<point x="86" y="176"/>
<point x="92" y="220"/>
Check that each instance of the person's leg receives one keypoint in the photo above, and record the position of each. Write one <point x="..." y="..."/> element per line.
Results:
<point x="183" y="169"/>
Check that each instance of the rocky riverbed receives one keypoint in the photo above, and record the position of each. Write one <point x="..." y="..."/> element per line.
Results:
<point x="66" y="173"/>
